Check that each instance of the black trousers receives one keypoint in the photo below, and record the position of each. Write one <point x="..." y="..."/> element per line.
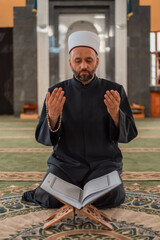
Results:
<point x="112" y="199"/>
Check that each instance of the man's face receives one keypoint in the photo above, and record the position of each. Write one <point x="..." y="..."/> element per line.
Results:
<point x="83" y="62"/>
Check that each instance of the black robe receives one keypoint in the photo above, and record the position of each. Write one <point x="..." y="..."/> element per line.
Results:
<point x="86" y="146"/>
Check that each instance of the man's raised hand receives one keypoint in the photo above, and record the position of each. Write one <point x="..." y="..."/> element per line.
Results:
<point x="112" y="101"/>
<point x="55" y="103"/>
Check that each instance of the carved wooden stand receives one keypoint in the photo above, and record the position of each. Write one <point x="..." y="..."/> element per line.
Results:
<point x="89" y="210"/>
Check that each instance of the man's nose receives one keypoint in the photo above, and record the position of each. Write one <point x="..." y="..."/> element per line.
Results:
<point x="83" y="65"/>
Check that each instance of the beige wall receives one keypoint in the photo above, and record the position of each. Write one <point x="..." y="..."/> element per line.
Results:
<point x="6" y="11"/>
<point x="155" y="16"/>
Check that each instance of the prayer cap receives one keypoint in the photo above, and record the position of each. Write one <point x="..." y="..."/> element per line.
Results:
<point x="83" y="39"/>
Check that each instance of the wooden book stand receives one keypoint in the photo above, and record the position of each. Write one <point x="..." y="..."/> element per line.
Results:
<point x="89" y="210"/>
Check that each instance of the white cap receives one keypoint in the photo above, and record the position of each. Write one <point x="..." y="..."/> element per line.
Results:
<point x="84" y="39"/>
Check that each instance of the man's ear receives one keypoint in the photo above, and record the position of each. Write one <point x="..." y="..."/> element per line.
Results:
<point x="97" y="61"/>
<point x="69" y="62"/>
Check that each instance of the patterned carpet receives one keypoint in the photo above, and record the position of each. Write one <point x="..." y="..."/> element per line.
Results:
<point x="23" y="165"/>
<point x="38" y="176"/>
<point x="137" y="218"/>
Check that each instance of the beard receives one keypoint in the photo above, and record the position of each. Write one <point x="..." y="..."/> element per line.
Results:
<point x="84" y="77"/>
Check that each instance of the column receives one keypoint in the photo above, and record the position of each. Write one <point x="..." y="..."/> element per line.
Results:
<point x="42" y="52"/>
<point x="121" y="42"/>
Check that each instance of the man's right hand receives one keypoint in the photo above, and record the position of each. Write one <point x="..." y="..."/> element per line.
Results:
<point x="55" y="103"/>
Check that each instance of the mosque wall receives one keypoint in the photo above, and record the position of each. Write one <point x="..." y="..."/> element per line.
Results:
<point x="25" y="56"/>
<point x="139" y="56"/>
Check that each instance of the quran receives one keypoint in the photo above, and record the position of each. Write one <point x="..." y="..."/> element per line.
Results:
<point x="74" y="195"/>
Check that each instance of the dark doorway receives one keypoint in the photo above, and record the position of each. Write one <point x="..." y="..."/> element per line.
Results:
<point x="6" y="71"/>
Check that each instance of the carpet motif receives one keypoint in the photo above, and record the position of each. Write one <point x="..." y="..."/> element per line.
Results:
<point x="140" y="187"/>
<point x="148" y="137"/>
<point x="85" y="228"/>
<point x="134" y="201"/>
<point x="148" y="128"/>
<point x="49" y="149"/>
<point x="13" y="206"/>
<point x="32" y="137"/>
<point x="133" y="182"/>
<point x="140" y="202"/>
<point x="141" y="176"/>
<point x="140" y="150"/>
<point x="17" y="137"/>
<point x="135" y="187"/>
<point x="23" y="176"/>
<point x="38" y="176"/>
<point x="13" y="189"/>
<point x="137" y="218"/>
<point x="18" y="128"/>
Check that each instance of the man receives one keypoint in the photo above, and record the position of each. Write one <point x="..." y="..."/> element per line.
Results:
<point x="84" y="118"/>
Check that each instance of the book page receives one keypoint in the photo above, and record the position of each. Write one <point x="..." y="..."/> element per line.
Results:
<point x="101" y="185"/>
<point x="74" y="195"/>
<point x="60" y="188"/>
<point x="67" y="189"/>
<point x="95" y="185"/>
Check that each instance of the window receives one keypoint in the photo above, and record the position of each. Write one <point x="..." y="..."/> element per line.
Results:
<point x="155" y="57"/>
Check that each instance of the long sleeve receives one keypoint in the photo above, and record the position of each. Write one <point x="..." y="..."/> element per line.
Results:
<point x="88" y="135"/>
<point x="127" y="130"/>
<point x="43" y="134"/>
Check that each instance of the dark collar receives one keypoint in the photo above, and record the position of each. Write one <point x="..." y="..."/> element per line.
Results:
<point x="77" y="83"/>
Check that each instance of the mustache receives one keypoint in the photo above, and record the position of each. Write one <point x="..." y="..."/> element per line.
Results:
<point x="84" y="70"/>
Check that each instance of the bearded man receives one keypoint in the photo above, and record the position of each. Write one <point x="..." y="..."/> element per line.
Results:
<point x="84" y="118"/>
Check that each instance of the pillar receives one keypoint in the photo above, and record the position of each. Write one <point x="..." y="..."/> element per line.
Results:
<point x="121" y="42"/>
<point x="42" y="51"/>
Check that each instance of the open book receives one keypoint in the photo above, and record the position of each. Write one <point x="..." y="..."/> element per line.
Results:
<point x="77" y="197"/>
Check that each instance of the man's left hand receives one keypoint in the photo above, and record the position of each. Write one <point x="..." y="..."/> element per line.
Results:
<point x="112" y="101"/>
